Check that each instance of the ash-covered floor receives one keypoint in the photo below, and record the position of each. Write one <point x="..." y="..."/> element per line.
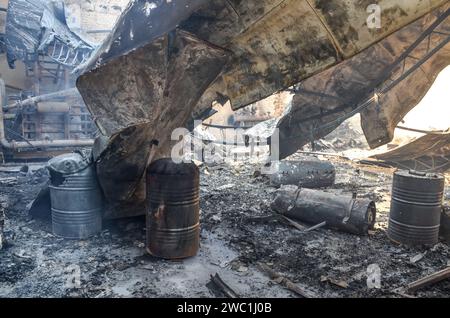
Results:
<point x="239" y="230"/>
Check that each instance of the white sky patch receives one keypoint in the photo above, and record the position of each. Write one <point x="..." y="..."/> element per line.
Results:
<point x="433" y="112"/>
<point x="148" y="7"/>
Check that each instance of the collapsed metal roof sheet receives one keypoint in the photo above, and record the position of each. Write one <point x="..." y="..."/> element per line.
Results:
<point x="33" y="25"/>
<point x="272" y="44"/>
<point x="166" y="62"/>
<point x="323" y="101"/>
<point x="430" y="153"/>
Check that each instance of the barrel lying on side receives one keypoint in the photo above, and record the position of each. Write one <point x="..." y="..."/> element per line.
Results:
<point x="173" y="212"/>
<point x="416" y="208"/>
<point x="306" y="174"/>
<point x="341" y="212"/>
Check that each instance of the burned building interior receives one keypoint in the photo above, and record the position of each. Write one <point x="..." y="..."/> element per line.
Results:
<point x="224" y="148"/>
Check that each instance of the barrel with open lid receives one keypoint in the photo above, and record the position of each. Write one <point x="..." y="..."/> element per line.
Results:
<point x="416" y="207"/>
<point x="173" y="211"/>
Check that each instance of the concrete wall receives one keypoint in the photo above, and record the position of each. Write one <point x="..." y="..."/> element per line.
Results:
<point x="14" y="78"/>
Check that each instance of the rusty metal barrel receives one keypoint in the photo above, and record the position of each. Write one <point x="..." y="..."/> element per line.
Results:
<point x="173" y="212"/>
<point x="416" y="207"/>
<point x="76" y="198"/>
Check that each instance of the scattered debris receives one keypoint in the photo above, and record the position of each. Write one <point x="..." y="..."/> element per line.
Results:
<point x="8" y="181"/>
<point x="316" y="227"/>
<point x="401" y="292"/>
<point x="247" y="234"/>
<point x="217" y="284"/>
<point x="429" y="280"/>
<point x="21" y="256"/>
<point x="294" y="224"/>
<point x="225" y="187"/>
<point x="417" y="258"/>
<point x="339" y="283"/>
<point x="278" y="278"/>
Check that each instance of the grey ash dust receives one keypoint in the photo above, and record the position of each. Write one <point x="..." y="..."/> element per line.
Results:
<point x="239" y="231"/>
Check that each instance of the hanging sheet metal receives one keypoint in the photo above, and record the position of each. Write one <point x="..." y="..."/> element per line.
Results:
<point x="247" y="51"/>
<point x="33" y="25"/>
<point x="430" y="153"/>
<point x="323" y="99"/>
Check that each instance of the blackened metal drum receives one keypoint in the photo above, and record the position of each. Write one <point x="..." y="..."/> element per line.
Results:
<point x="173" y="212"/>
<point x="416" y="208"/>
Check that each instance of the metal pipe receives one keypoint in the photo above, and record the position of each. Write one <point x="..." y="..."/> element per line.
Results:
<point x="50" y="144"/>
<point x="73" y="92"/>
<point x="52" y="107"/>
<point x="35" y="144"/>
<point x="9" y="116"/>
<point x="427" y="132"/>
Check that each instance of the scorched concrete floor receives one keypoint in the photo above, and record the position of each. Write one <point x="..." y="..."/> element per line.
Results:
<point x="239" y="231"/>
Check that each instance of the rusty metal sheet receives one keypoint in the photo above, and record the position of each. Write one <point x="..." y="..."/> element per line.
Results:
<point x="141" y="23"/>
<point x="334" y="93"/>
<point x="284" y="42"/>
<point x="141" y="108"/>
<point x="158" y="84"/>
<point x="347" y="20"/>
<point x="430" y="153"/>
<point x="166" y="62"/>
<point x="275" y="44"/>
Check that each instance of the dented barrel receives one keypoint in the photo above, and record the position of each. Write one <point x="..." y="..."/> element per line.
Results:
<point x="173" y="212"/>
<point x="416" y="207"/>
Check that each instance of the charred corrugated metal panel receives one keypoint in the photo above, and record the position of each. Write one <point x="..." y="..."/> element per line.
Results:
<point x="20" y="40"/>
<point x="141" y="108"/>
<point x="430" y="153"/>
<point x="279" y="49"/>
<point x="275" y="43"/>
<point x="272" y="44"/>
<point x="141" y="23"/>
<point x="347" y="20"/>
<point x="158" y="83"/>
<point x="332" y="94"/>
<point x="379" y="123"/>
<point x="284" y="42"/>
<point x="33" y="25"/>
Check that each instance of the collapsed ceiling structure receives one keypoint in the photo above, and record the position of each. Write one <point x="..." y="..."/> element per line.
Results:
<point x="167" y="62"/>
<point x="40" y="26"/>
<point x="42" y="113"/>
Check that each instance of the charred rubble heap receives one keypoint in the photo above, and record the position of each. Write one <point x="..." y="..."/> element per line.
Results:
<point x="114" y="213"/>
<point x="317" y="240"/>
